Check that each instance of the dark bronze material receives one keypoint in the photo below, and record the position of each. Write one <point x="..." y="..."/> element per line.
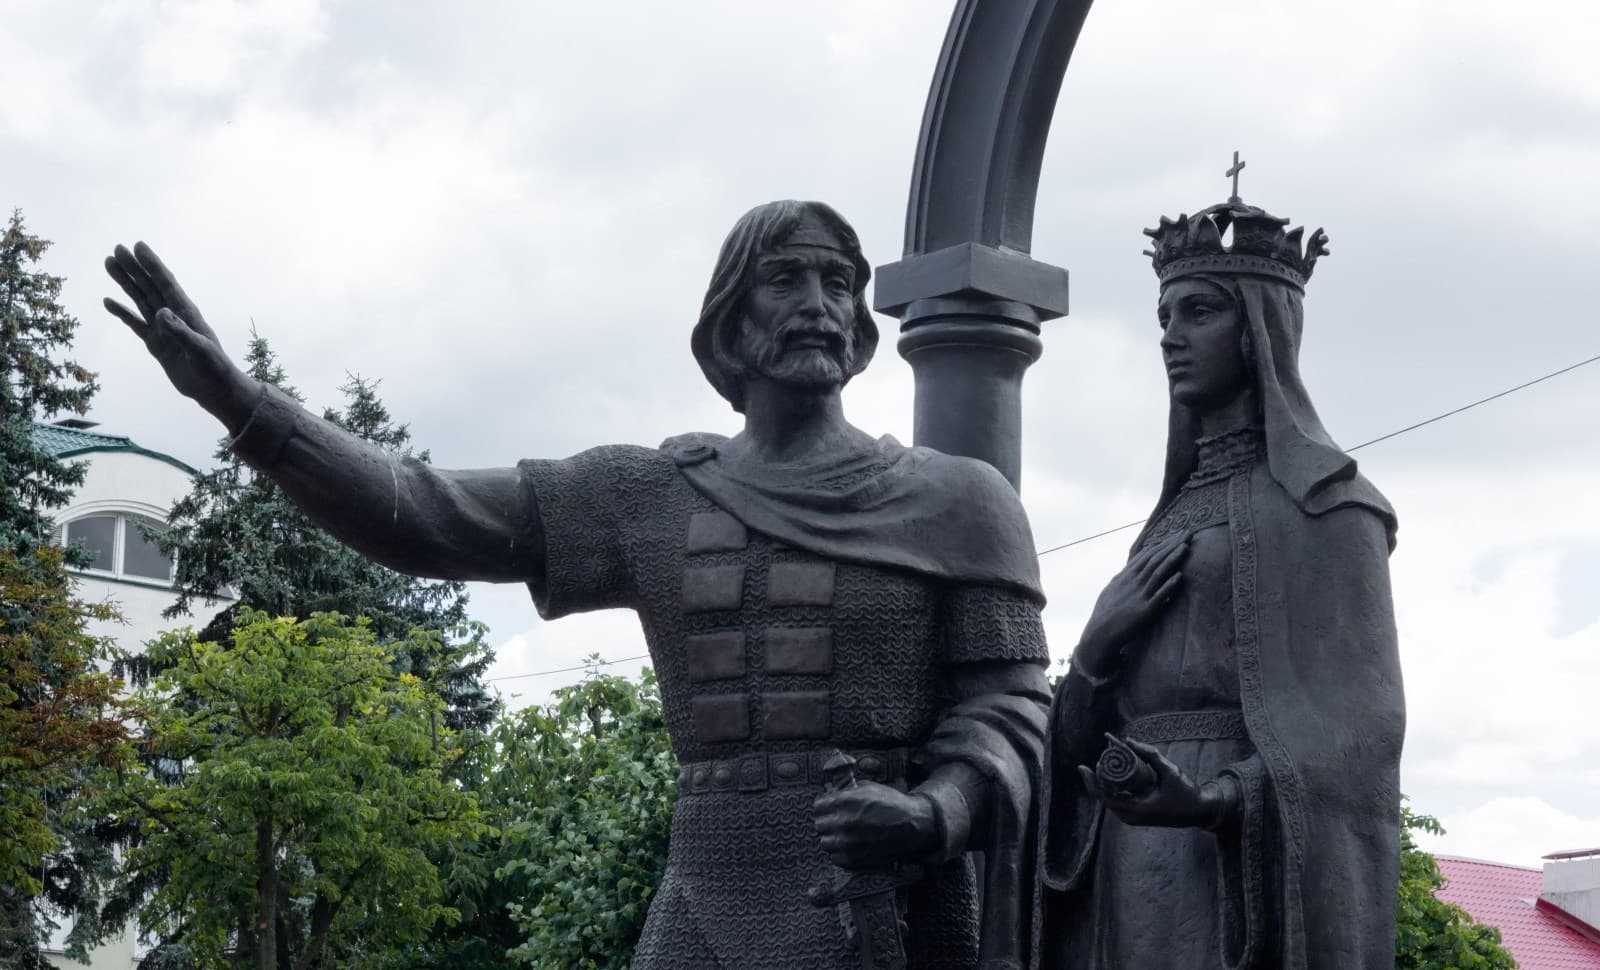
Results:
<point x="720" y="718"/>
<point x="708" y="589"/>
<point x="1237" y="688"/>
<point x="800" y="584"/>
<point x="875" y="898"/>
<point x="798" y="714"/>
<point x="1121" y="770"/>
<point x="803" y="587"/>
<point x="1233" y="173"/>
<point x="715" y="656"/>
<point x="716" y="532"/>
<point x="969" y="298"/>
<point x="800" y="650"/>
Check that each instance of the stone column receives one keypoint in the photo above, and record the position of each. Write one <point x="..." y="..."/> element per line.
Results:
<point x="969" y="326"/>
<point x="969" y="298"/>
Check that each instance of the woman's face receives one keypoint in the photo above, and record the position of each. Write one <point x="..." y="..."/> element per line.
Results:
<point x="1202" y="344"/>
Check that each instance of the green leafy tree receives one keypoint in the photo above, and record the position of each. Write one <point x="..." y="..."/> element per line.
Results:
<point x="308" y="790"/>
<point x="60" y="722"/>
<point x="589" y="833"/>
<point x="236" y="533"/>
<point x="61" y="735"/>
<point x="578" y="798"/>
<point x="1433" y="934"/>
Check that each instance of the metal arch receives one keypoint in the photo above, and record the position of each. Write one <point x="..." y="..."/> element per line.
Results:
<point x="969" y="297"/>
<point x="990" y="105"/>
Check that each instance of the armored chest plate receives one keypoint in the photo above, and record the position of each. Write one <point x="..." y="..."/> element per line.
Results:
<point x="766" y="647"/>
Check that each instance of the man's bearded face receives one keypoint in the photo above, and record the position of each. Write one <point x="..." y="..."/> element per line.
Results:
<point x="799" y="316"/>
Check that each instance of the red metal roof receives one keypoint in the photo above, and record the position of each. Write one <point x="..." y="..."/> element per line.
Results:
<point x="1505" y="896"/>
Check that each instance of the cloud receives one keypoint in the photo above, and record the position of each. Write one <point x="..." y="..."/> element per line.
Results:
<point x="1514" y="829"/>
<point x="509" y="214"/>
<point x="521" y="662"/>
<point x="213" y="48"/>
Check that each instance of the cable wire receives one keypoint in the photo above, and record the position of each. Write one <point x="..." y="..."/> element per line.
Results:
<point x="568" y="670"/>
<point x="1468" y="407"/>
<point x="1122" y="528"/>
<point x="1383" y="437"/>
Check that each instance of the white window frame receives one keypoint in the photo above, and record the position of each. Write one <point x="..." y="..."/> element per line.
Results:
<point x="126" y="514"/>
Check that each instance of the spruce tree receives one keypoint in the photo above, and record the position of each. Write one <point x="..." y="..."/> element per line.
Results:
<point x="237" y="534"/>
<point x="34" y="386"/>
<point x="61" y="722"/>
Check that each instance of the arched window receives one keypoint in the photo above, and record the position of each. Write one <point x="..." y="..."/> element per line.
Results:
<point x="119" y="547"/>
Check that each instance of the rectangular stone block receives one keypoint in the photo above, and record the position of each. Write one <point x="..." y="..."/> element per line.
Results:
<point x="797" y="714"/>
<point x="800" y="650"/>
<point x="716" y="532"/>
<point x="800" y="584"/>
<point x="715" y="656"/>
<point x="708" y="588"/>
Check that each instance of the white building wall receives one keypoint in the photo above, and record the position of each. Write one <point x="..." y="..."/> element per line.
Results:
<point x="1573" y="884"/>
<point x="127" y="483"/>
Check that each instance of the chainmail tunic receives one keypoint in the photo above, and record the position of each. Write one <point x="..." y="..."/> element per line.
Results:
<point x="766" y="655"/>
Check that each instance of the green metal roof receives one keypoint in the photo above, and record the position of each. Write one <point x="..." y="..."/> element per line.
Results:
<point x="70" y="442"/>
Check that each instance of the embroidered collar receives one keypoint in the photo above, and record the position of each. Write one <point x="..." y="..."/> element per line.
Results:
<point x="1221" y="455"/>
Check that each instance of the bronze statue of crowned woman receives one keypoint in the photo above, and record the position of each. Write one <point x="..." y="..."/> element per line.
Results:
<point x="1223" y="764"/>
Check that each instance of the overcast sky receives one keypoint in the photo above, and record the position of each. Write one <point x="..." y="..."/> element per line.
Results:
<point x="508" y="212"/>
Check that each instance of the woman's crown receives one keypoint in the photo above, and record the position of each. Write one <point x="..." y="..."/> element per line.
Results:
<point x="1260" y="246"/>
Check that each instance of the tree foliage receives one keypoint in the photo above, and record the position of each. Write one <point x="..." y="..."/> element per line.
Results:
<point x="308" y="790"/>
<point x="236" y="533"/>
<point x="578" y="795"/>
<point x="1433" y="934"/>
<point x="589" y="831"/>
<point x="61" y="733"/>
<point x="60" y="722"/>
<point x="34" y="386"/>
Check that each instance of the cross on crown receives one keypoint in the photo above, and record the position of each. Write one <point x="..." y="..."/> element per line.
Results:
<point x="1260" y="246"/>
<point x="1238" y="167"/>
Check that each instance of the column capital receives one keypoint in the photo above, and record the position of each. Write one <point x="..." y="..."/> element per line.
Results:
<point x="974" y="272"/>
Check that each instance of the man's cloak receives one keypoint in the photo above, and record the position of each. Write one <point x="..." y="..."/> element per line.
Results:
<point x="956" y="520"/>
<point x="916" y="509"/>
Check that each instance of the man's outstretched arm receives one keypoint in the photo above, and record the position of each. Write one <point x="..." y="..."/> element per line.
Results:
<point x="477" y="525"/>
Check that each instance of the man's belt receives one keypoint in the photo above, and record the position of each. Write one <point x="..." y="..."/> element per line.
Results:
<point x="761" y="771"/>
<point x="1188" y="726"/>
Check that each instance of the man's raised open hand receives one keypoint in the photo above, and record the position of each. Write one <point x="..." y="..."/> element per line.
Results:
<point x="177" y="336"/>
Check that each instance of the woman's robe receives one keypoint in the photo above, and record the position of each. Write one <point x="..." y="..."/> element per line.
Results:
<point x="1276" y="665"/>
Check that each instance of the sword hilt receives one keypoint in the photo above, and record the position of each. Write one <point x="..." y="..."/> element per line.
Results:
<point x="875" y="925"/>
<point x="839" y="771"/>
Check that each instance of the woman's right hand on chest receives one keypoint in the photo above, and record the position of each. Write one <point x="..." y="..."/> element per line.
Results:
<point x="1128" y="604"/>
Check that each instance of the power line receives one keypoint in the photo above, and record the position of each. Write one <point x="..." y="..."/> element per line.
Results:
<point x="1122" y="528"/>
<point x="1097" y="535"/>
<point x="1383" y="437"/>
<point x="568" y="670"/>
<point x="1486" y="400"/>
